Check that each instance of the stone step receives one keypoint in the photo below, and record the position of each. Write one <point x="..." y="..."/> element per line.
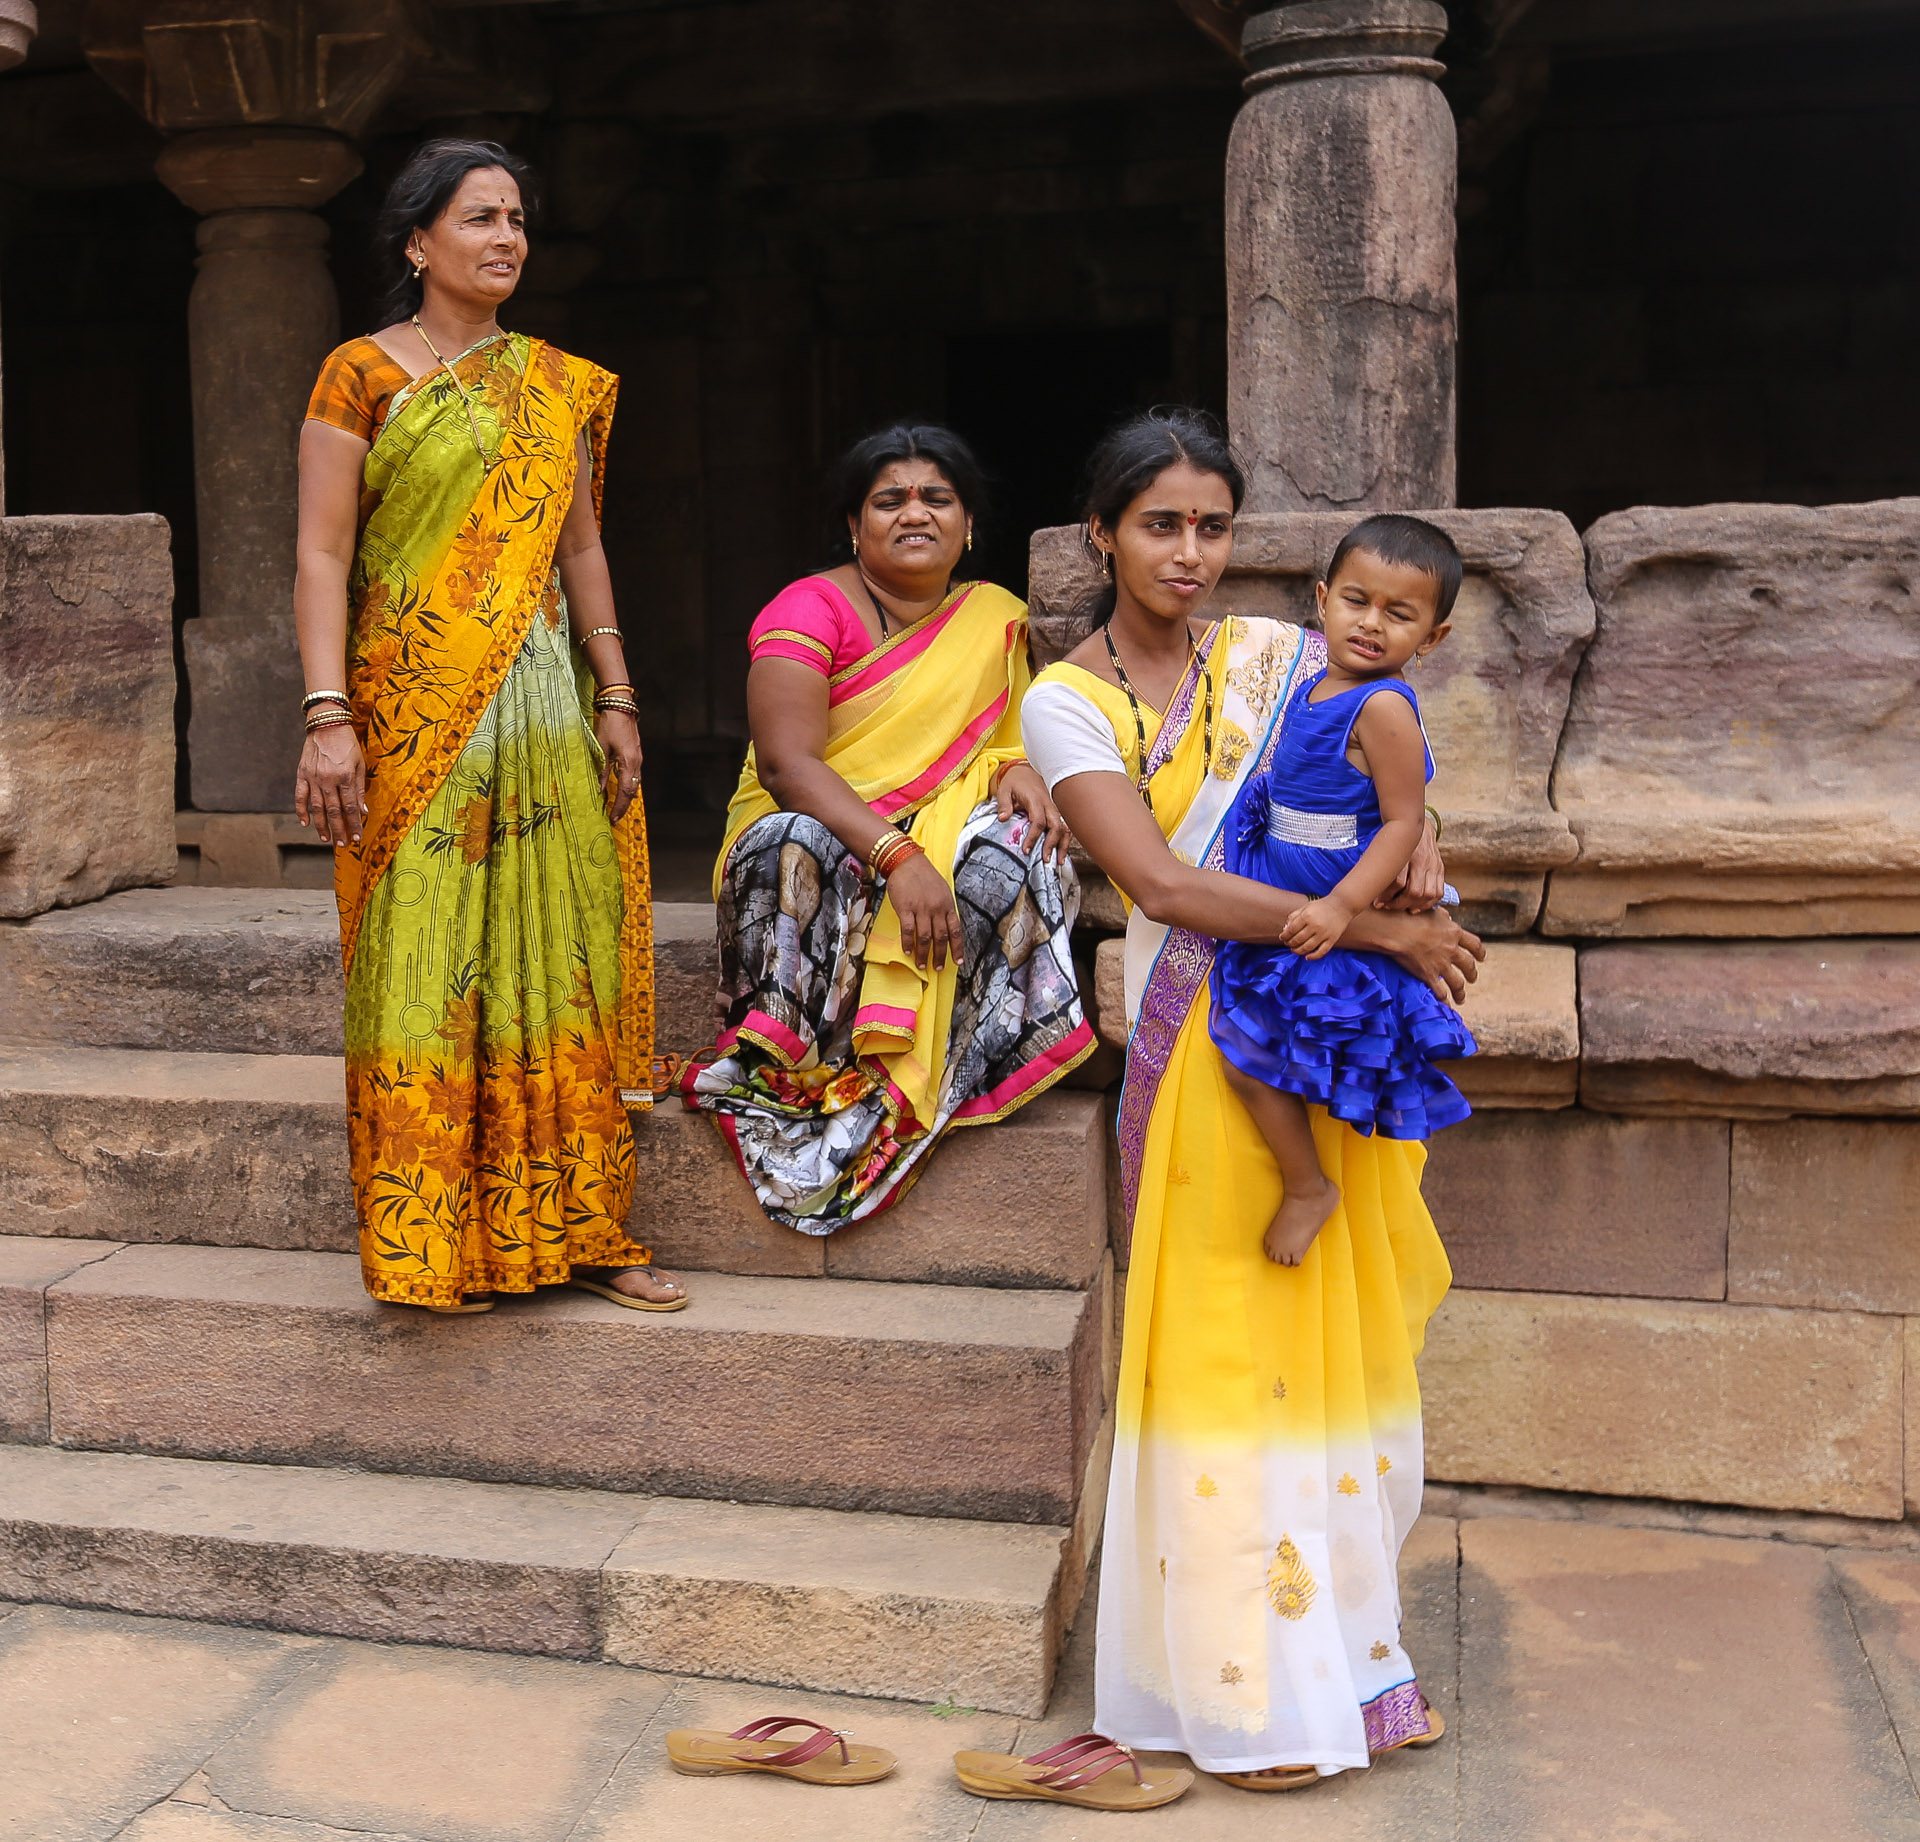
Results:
<point x="915" y="1608"/>
<point x="251" y="1151"/>
<point x="829" y="1393"/>
<point x="250" y="971"/>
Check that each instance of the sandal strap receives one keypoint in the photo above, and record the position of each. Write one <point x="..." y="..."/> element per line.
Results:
<point x="1076" y="1763"/>
<point x="821" y="1739"/>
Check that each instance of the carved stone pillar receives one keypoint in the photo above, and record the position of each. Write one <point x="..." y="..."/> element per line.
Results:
<point x="1341" y="305"/>
<point x="262" y="316"/>
<point x="261" y="96"/>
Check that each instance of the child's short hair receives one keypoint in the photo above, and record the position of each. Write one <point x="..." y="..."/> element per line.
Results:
<point x="1413" y="544"/>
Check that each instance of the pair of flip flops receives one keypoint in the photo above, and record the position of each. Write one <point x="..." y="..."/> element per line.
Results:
<point x="1089" y="1770"/>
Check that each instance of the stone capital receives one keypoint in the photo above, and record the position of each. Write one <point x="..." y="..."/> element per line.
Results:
<point x="253" y="169"/>
<point x="1342" y="38"/>
<point x="19" y="21"/>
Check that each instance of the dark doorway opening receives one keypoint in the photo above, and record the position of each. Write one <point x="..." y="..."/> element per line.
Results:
<point x="1033" y="401"/>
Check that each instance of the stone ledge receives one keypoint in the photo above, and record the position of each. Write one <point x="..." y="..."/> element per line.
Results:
<point x="27" y="1267"/>
<point x="1521" y="1011"/>
<point x="1735" y="1404"/>
<point x="1751" y="1029"/>
<point x="144" y="1145"/>
<point x="912" y="1608"/>
<point x="906" y="1606"/>
<point x="971" y="1402"/>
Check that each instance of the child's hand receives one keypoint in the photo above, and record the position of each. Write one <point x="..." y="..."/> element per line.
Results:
<point x="1314" y="930"/>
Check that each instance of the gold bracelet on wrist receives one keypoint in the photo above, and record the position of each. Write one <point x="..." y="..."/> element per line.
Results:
<point x="1435" y="817"/>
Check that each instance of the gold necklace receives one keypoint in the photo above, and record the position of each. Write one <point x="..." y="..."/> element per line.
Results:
<point x="473" y="420"/>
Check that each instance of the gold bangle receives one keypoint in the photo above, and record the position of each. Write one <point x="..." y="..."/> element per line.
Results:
<point x="1435" y="817"/>
<point x="315" y="697"/>
<point x="596" y="633"/>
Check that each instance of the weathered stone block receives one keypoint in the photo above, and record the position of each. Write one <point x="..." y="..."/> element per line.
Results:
<point x="1020" y="1203"/>
<point x="281" y="1358"/>
<point x="219" y="970"/>
<point x="1583" y="1202"/>
<point x="1751" y="1028"/>
<point x="1707" y="1403"/>
<point x="1826" y="1212"/>
<point x="27" y="1268"/>
<point x="1526" y="1027"/>
<point x="401" y="1559"/>
<point x="142" y="1145"/>
<point x="1716" y="781"/>
<point x="905" y="1606"/>
<point x="1493" y="697"/>
<point x="86" y="709"/>
<point x="686" y="977"/>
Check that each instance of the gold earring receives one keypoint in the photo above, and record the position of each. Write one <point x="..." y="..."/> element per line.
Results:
<point x="1106" y="564"/>
<point x="969" y="539"/>
<point x="856" y="543"/>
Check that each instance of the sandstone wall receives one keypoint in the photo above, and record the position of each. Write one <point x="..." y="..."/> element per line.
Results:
<point x="86" y="709"/>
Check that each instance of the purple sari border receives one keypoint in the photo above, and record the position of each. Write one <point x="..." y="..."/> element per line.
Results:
<point x="1174" y="725"/>
<point x="1394" y="1718"/>
<point x="1185" y="958"/>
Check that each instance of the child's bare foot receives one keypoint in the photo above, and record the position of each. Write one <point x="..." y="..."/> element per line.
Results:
<point x="1302" y="1215"/>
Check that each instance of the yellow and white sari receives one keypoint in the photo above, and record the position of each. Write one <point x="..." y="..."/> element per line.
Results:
<point x="1268" y="1461"/>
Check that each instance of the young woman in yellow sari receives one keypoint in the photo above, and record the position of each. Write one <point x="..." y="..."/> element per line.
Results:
<point x="895" y="899"/>
<point x="1268" y="1459"/>
<point x="481" y="795"/>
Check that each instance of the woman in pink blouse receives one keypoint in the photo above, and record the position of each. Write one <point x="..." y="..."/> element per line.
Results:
<point x="894" y="894"/>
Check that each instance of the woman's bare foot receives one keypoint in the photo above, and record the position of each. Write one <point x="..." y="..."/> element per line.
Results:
<point x="646" y="1283"/>
<point x="1303" y="1213"/>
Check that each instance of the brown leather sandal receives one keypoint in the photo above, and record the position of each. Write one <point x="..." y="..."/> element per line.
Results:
<point x="705" y="1752"/>
<point x="1089" y="1770"/>
<point x="1278" y="1778"/>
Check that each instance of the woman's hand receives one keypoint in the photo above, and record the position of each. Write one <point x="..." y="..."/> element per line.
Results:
<point x="1434" y="947"/>
<point x="1423" y="882"/>
<point x="330" y="785"/>
<point x="929" y="921"/>
<point x="620" y="739"/>
<point x="1022" y="790"/>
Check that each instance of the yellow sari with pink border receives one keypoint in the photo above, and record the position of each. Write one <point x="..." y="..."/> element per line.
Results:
<point x="495" y="925"/>
<point x="1267" y="1461"/>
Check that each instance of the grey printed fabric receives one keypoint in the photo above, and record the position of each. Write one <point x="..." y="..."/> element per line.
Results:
<point x="817" y="1130"/>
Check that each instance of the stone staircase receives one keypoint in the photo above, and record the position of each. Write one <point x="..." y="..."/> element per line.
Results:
<point x="866" y="1463"/>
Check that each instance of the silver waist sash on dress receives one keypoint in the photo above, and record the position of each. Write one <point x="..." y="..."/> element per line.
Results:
<point x="1325" y="831"/>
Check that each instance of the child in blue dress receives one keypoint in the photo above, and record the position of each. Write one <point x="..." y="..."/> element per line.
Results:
<point x="1336" y="816"/>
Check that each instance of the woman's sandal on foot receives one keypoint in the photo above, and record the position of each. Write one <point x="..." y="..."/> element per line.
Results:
<point x="1278" y="1778"/>
<point x="628" y="1299"/>
<point x="1094" y="1772"/>
<point x="823" y="1757"/>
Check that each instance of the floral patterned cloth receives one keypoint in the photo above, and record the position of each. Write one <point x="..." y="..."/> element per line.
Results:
<point x="815" y="1125"/>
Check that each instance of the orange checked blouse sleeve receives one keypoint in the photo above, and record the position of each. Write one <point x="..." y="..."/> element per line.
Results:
<point x="355" y="388"/>
<point x="806" y="621"/>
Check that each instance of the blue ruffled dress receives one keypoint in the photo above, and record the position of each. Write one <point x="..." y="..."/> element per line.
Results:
<point x="1354" y="1032"/>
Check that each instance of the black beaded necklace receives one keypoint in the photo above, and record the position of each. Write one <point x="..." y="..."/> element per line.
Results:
<point x="1140" y="722"/>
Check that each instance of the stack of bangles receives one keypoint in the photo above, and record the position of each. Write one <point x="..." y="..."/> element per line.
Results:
<point x="617" y="697"/>
<point x="326" y="710"/>
<point x="890" y="850"/>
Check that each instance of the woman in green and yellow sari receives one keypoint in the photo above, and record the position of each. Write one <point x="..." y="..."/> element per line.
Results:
<point x="481" y="794"/>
